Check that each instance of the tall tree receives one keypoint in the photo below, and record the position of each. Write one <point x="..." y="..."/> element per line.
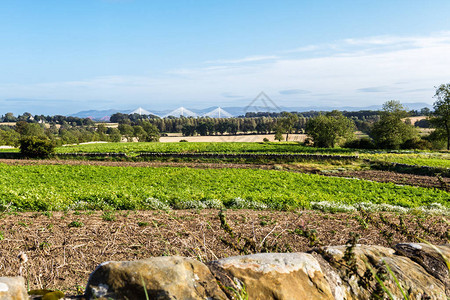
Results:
<point x="29" y="129"/>
<point x="330" y="129"/>
<point x="441" y="115"/>
<point x="391" y="131"/>
<point x="9" y="117"/>
<point x="287" y="122"/>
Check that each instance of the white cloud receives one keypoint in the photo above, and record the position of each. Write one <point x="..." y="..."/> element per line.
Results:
<point x="308" y="48"/>
<point x="248" y="59"/>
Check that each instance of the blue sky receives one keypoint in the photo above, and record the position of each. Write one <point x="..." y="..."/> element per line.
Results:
<point x="66" y="56"/>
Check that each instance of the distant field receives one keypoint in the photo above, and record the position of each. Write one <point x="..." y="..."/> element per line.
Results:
<point x="421" y="158"/>
<point x="60" y="187"/>
<point x="173" y="138"/>
<point x="224" y="147"/>
<point x="8" y="149"/>
<point x="434" y="159"/>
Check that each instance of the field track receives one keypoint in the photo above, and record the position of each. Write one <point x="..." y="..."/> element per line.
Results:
<point x="373" y="175"/>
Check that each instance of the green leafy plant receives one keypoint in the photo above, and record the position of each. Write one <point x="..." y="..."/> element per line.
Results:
<point x="240" y="292"/>
<point x="108" y="216"/>
<point x="76" y="224"/>
<point x="36" y="147"/>
<point x="60" y="187"/>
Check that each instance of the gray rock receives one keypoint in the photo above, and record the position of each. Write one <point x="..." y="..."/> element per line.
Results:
<point x="13" y="288"/>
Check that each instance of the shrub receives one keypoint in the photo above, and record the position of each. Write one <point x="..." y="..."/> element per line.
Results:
<point x="36" y="147"/>
<point x="183" y="141"/>
<point x="265" y="140"/>
<point x="363" y="143"/>
<point x="424" y="123"/>
<point x="419" y="144"/>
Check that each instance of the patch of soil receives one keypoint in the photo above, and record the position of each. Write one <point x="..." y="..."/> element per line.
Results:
<point x="398" y="178"/>
<point x="63" y="248"/>
<point x="200" y="165"/>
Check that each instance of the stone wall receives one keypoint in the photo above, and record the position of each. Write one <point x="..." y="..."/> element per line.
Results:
<point x="419" y="271"/>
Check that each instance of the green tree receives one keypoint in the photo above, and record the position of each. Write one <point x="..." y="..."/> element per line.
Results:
<point x="127" y="131"/>
<point x="114" y="135"/>
<point x="68" y="137"/>
<point x="221" y="127"/>
<point x="287" y="123"/>
<point x="188" y="130"/>
<point x="202" y="128"/>
<point x="29" y="129"/>
<point x="441" y="116"/>
<point x="279" y="133"/>
<point x="101" y="129"/>
<point x="9" y="117"/>
<point x="330" y="129"/>
<point x="390" y="132"/>
<point x="232" y="128"/>
<point x="152" y="131"/>
<point x="36" y="147"/>
<point x="9" y="137"/>
<point x="27" y="117"/>
<point x="140" y="133"/>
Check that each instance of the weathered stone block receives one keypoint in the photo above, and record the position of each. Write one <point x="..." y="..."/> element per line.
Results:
<point x="416" y="282"/>
<point x="13" y="288"/>
<point x="272" y="276"/>
<point x="162" y="277"/>
<point x="431" y="258"/>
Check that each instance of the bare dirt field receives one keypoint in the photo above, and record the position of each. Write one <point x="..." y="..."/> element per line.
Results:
<point x="415" y="119"/>
<point x="230" y="138"/>
<point x="63" y="248"/>
<point x="398" y="178"/>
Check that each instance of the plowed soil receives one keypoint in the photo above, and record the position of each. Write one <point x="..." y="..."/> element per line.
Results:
<point x="62" y="255"/>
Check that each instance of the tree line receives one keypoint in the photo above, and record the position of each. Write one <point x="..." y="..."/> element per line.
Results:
<point x="385" y="129"/>
<point x="391" y="130"/>
<point x="74" y="134"/>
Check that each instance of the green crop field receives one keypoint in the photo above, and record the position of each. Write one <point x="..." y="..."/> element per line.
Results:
<point x="436" y="159"/>
<point x="9" y="149"/>
<point x="197" y="147"/>
<point x="60" y="187"/>
<point x="420" y="158"/>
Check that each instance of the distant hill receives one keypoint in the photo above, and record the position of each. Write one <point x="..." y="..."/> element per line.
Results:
<point x="240" y="111"/>
<point x="96" y="114"/>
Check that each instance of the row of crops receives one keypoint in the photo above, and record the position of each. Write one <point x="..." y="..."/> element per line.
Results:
<point x="434" y="159"/>
<point x="200" y="147"/>
<point x="61" y="187"/>
<point x="420" y="158"/>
